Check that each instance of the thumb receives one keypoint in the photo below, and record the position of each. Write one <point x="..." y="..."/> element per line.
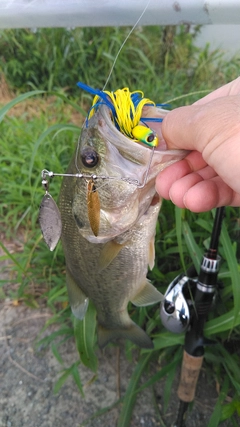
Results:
<point x="177" y="128"/>
<point x="194" y="127"/>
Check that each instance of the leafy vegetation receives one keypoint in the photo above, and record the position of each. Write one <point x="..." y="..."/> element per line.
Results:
<point x="164" y="58"/>
<point x="39" y="129"/>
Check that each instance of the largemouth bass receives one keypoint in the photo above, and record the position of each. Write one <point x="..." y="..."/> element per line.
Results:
<point x="109" y="222"/>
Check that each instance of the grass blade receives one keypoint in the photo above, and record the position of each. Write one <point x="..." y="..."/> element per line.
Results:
<point x="194" y="251"/>
<point x="4" y="110"/>
<point x="61" y="380"/>
<point x="100" y="412"/>
<point x="131" y="393"/>
<point x="56" y="354"/>
<point x="68" y="101"/>
<point x="65" y="331"/>
<point x="167" y="339"/>
<point x="178" y="219"/>
<point x="233" y="268"/>
<point x="169" y="380"/>
<point x="76" y="377"/>
<point x="84" y="331"/>
<point x="163" y="371"/>
<point x="19" y="267"/>
<point x="216" y="415"/>
<point x="57" y="128"/>
<point x="222" y="323"/>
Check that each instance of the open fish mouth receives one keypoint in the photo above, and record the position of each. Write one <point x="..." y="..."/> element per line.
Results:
<point x="133" y="115"/>
<point x="145" y="161"/>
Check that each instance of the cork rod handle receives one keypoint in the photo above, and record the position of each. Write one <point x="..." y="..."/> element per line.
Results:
<point x="191" y="367"/>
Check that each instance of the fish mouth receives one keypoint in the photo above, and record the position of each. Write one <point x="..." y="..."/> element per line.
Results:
<point x="155" y="200"/>
<point x="125" y="158"/>
<point x="135" y="151"/>
<point x="121" y="187"/>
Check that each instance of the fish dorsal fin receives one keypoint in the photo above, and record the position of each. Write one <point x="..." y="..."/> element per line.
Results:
<point x="151" y="255"/>
<point x="147" y="295"/>
<point x="109" y="251"/>
<point x="77" y="298"/>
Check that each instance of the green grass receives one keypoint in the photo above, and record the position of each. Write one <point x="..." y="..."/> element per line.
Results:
<point x="163" y="61"/>
<point x="41" y="132"/>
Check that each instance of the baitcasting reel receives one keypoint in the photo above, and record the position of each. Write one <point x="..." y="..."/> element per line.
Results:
<point x="175" y="310"/>
<point x="182" y="295"/>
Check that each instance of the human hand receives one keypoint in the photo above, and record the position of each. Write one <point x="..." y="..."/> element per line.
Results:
<point x="209" y="176"/>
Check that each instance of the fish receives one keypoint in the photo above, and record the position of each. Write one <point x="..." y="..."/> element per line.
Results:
<point x="109" y="222"/>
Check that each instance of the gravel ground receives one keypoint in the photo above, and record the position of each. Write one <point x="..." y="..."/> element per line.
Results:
<point x="27" y="379"/>
<point x="28" y="375"/>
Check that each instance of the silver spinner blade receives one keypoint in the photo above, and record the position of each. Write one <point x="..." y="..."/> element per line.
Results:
<point x="50" y="221"/>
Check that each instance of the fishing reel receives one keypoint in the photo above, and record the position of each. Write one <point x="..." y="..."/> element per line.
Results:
<point x="176" y="308"/>
<point x="189" y="294"/>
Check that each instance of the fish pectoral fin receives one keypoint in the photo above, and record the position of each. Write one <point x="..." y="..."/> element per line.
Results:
<point x="151" y="254"/>
<point x="77" y="298"/>
<point x="109" y="251"/>
<point x="147" y="295"/>
<point x="132" y="332"/>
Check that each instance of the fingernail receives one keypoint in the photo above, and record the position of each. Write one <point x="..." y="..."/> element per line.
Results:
<point x="185" y="201"/>
<point x="170" y="197"/>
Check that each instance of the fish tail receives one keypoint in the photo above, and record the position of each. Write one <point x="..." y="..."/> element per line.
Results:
<point x="132" y="332"/>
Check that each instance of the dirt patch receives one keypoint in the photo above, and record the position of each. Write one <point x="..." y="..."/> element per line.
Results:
<point x="34" y="107"/>
<point x="5" y="93"/>
<point x="28" y="376"/>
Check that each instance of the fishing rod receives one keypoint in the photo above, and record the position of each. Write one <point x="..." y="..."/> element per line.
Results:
<point x="185" y="309"/>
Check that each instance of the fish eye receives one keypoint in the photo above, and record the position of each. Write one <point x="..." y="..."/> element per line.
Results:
<point x="150" y="137"/>
<point x="89" y="157"/>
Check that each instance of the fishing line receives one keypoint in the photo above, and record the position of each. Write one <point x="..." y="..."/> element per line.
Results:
<point x="106" y="96"/>
<point x="123" y="44"/>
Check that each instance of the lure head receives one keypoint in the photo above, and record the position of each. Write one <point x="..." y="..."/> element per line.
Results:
<point x="145" y="135"/>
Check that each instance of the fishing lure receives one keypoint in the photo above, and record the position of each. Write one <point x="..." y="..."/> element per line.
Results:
<point x="93" y="206"/>
<point x="126" y="108"/>
<point x="145" y="135"/>
<point x="49" y="217"/>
